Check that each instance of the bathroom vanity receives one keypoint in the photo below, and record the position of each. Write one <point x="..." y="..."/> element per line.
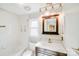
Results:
<point x="50" y="49"/>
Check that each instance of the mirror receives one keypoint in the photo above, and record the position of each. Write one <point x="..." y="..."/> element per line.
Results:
<point x="50" y="24"/>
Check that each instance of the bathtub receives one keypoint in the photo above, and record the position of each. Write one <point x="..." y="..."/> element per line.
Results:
<point x="30" y="51"/>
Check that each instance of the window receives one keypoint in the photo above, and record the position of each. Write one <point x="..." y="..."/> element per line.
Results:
<point x="34" y="28"/>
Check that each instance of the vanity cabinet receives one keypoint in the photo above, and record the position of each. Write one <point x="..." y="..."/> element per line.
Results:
<point x="46" y="52"/>
<point x="43" y="50"/>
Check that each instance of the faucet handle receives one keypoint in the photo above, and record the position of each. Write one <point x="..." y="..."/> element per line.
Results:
<point x="62" y="38"/>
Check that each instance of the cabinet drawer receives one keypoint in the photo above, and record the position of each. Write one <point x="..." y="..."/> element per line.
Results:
<point x="42" y="51"/>
<point x="46" y="52"/>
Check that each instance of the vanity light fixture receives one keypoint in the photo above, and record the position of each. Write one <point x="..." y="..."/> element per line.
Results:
<point x="56" y="7"/>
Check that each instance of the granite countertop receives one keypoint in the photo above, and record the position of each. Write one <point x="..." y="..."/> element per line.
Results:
<point x="54" y="46"/>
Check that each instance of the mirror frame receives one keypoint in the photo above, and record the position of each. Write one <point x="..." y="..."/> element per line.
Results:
<point x="43" y="24"/>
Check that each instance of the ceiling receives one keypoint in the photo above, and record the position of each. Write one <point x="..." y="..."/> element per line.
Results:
<point x="18" y="9"/>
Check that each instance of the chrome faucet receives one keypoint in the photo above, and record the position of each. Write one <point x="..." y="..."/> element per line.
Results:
<point x="49" y="40"/>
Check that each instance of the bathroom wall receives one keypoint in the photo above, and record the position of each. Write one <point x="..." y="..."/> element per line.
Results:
<point x="25" y="20"/>
<point x="71" y="38"/>
<point x="10" y="43"/>
<point x="23" y="30"/>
